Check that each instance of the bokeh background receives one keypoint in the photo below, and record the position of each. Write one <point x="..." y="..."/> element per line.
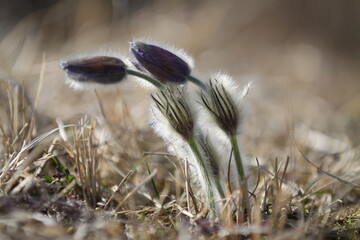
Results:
<point x="302" y="57"/>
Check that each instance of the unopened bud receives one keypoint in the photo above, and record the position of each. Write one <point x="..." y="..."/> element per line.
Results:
<point x="164" y="65"/>
<point x="97" y="69"/>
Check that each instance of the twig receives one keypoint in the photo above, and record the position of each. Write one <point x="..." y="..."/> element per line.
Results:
<point x="258" y="179"/>
<point x="146" y="180"/>
<point x="285" y="168"/>
<point x="159" y="154"/>
<point x="118" y="188"/>
<point x="321" y="170"/>
<point x="63" y="192"/>
<point x="183" y="211"/>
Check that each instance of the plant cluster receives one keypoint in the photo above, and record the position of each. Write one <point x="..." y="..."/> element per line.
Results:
<point x="191" y="125"/>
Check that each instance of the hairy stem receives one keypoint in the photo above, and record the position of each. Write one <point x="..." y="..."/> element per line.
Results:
<point x="241" y="172"/>
<point x="198" y="82"/>
<point x="205" y="175"/>
<point x="152" y="80"/>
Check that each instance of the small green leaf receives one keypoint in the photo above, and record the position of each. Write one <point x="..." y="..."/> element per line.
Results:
<point x="323" y="192"/>
<point x="47" y="178"/>
<point x="59" y="165"/>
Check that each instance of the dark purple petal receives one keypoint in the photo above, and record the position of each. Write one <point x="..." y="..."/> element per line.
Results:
<point x="99" y="69"/>
<point x="161" y="63"/>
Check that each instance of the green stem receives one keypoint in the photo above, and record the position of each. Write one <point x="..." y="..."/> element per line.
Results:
<point x="219" y="187"/>
<point x="153" y="183"/>
<point x="152" y="80"/>
<point x="205" y="174"/>
<point x="238" y="161"/>
<point x="198" y="82"/>
<point x="241" y="172"/>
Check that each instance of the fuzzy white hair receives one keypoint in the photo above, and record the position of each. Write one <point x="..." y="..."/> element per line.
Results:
<point x="217" y="137"/>
<point x="179" y="146"/>
<point x="177" y="51"/>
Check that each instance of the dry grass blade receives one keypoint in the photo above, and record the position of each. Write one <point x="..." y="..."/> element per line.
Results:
<point x="146" y="180"/>
<point x="87" y="162"/>
<point x="63" y="192"/>
<point x="12" y="163"/>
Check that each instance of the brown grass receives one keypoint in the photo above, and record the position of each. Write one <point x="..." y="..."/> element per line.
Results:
<point x="60" y="185"/>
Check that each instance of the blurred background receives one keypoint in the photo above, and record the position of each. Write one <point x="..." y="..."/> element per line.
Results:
<point x="302" y="57"/>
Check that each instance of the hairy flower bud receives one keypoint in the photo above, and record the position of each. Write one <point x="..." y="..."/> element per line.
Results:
<point x="173" y="106"/>
<point x="164" y="65"/>
<point x="97" y="69"/>
<point x="174" y="122"/>
<point x="224" y="103"/>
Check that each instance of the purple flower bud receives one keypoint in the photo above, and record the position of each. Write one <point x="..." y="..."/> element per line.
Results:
<point x="98" y="69"/>
<point x="161" y="63"/>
